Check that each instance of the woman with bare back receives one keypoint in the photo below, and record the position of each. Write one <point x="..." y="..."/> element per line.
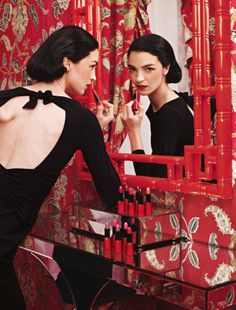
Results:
<point x="41" y="127"/>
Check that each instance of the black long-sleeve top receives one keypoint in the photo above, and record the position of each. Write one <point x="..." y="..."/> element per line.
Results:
<point x="171" y="129"/>
<point x="24" y="189"/>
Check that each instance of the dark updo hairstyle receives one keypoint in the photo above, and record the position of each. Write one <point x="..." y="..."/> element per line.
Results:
<point x="161" y="48"/>
<point x="46" y="64"/>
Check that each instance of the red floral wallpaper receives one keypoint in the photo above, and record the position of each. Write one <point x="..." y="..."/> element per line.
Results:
<point x="121" y="22"/>
<point x="24" y="25"/>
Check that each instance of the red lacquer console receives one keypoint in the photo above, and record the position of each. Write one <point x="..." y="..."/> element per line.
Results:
<point x="150" y="257"/>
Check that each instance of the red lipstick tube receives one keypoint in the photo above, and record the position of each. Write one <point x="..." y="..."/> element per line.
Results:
<point x="140" y="207"/>
<point x="129" y="246"/>
<point x="117" y="240"/>
<point x="107" y="242"/>
<point x="135" y="104"/>
<point x="131" y="202"/>
<point x="126" y="201"/>
<point x="120" y="204"/>
<point x="114" y="223"/>
<point x="97" y="98"/>
<point x="148" y="204"/>
<point x="137" y="195"/>
<point x="124" y="236"/>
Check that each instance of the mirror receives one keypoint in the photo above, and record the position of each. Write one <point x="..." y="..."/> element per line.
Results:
<point x="206" y="166"/>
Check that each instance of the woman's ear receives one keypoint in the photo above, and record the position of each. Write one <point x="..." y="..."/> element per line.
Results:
<point x="66" y="63"/>
<point x="166" y="69"/>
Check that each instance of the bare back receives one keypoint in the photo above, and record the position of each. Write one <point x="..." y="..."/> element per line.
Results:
<point x="27" y="136"/>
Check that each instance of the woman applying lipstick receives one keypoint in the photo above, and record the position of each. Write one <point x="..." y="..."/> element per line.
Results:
<point x="41" y="127"/>
<point x="153" y="66"/>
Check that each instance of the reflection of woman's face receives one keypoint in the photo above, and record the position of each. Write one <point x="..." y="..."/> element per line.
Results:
<point x="146" y="72"/>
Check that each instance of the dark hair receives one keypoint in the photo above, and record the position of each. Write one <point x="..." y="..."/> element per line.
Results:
<point x="161" y="48"/>
<point x="46" y="64"/>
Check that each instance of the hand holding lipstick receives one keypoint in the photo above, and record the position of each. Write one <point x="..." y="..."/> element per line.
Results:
<point x="105" y="113"/>
<point x="130" y="118"/>
<point x="105" y="110"/>
<point x="132" y="123"/>
<point x="136" y="103"/>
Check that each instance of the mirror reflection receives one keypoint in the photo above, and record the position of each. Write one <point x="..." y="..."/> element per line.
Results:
<point x="151" y="129"/>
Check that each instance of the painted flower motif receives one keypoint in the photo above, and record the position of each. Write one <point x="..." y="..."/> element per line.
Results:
<point x="233" y="242"/>
<point x="6" y="42"/>
<point x="152" y="259"/>
<point x="89" y="246"/>
<point x="213" y="198"/>
<point x="233" y="36"/>
<point x="105" y="13"/>
<point x="61" y="187"/>
<point x="117" y="40"/>
<point x="29" y="288"/>
<point x="221" y="218"/>
<point x="222" y="274"/>
<point x="170" y="198"/>
<point x="4" y="21"/>
<point x="213" y="245"/>
<point x="193" y="258"/>
<point x="117" y="2"/>
<point x="119" y="125"/>
<point x="19" y="21"/>
<point x="59" y="25"/>
<point x="28" y="242"/>
<point x="174" y="253"/>
<point x="64" y="4"/>
<point x="129" y="19"/>
<point x="145" y="18"/>
<point x="212" y="25"/>
<point x="60" y="234"/>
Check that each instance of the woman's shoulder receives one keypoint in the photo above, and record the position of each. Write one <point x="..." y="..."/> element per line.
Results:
<point x="13" y="92"/>
<point x="81" y="113"/>
<point x="186" y="98"/>
<point x="181" y="102"/>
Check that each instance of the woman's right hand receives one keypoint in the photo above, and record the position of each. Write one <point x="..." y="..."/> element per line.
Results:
<point x="105" y="113"/>
<point x="132" y="119"/>
<point x="132" y="123"/>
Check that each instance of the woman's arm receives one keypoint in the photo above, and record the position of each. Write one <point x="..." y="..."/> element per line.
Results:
<point x="166" y="133"/>
<point x="132" y="123"/>
<point x="93" y="148"/>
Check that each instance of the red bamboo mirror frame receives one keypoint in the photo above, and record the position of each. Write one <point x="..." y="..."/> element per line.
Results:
<point x="217" y="157"/>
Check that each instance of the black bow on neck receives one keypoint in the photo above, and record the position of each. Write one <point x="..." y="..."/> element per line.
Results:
<point x="47" y="97"/>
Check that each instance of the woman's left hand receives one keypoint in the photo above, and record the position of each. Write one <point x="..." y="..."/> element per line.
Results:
<point x="105" y="113"/>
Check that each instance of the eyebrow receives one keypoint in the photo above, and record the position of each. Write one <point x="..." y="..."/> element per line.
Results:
<point x="147" y="65"/>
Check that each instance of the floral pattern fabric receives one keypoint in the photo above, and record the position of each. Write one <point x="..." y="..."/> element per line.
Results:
<point x="24" y="26"/>
<point x="121" y="22"/>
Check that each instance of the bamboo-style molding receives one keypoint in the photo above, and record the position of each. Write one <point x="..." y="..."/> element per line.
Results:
<point x="223" y="97"/>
